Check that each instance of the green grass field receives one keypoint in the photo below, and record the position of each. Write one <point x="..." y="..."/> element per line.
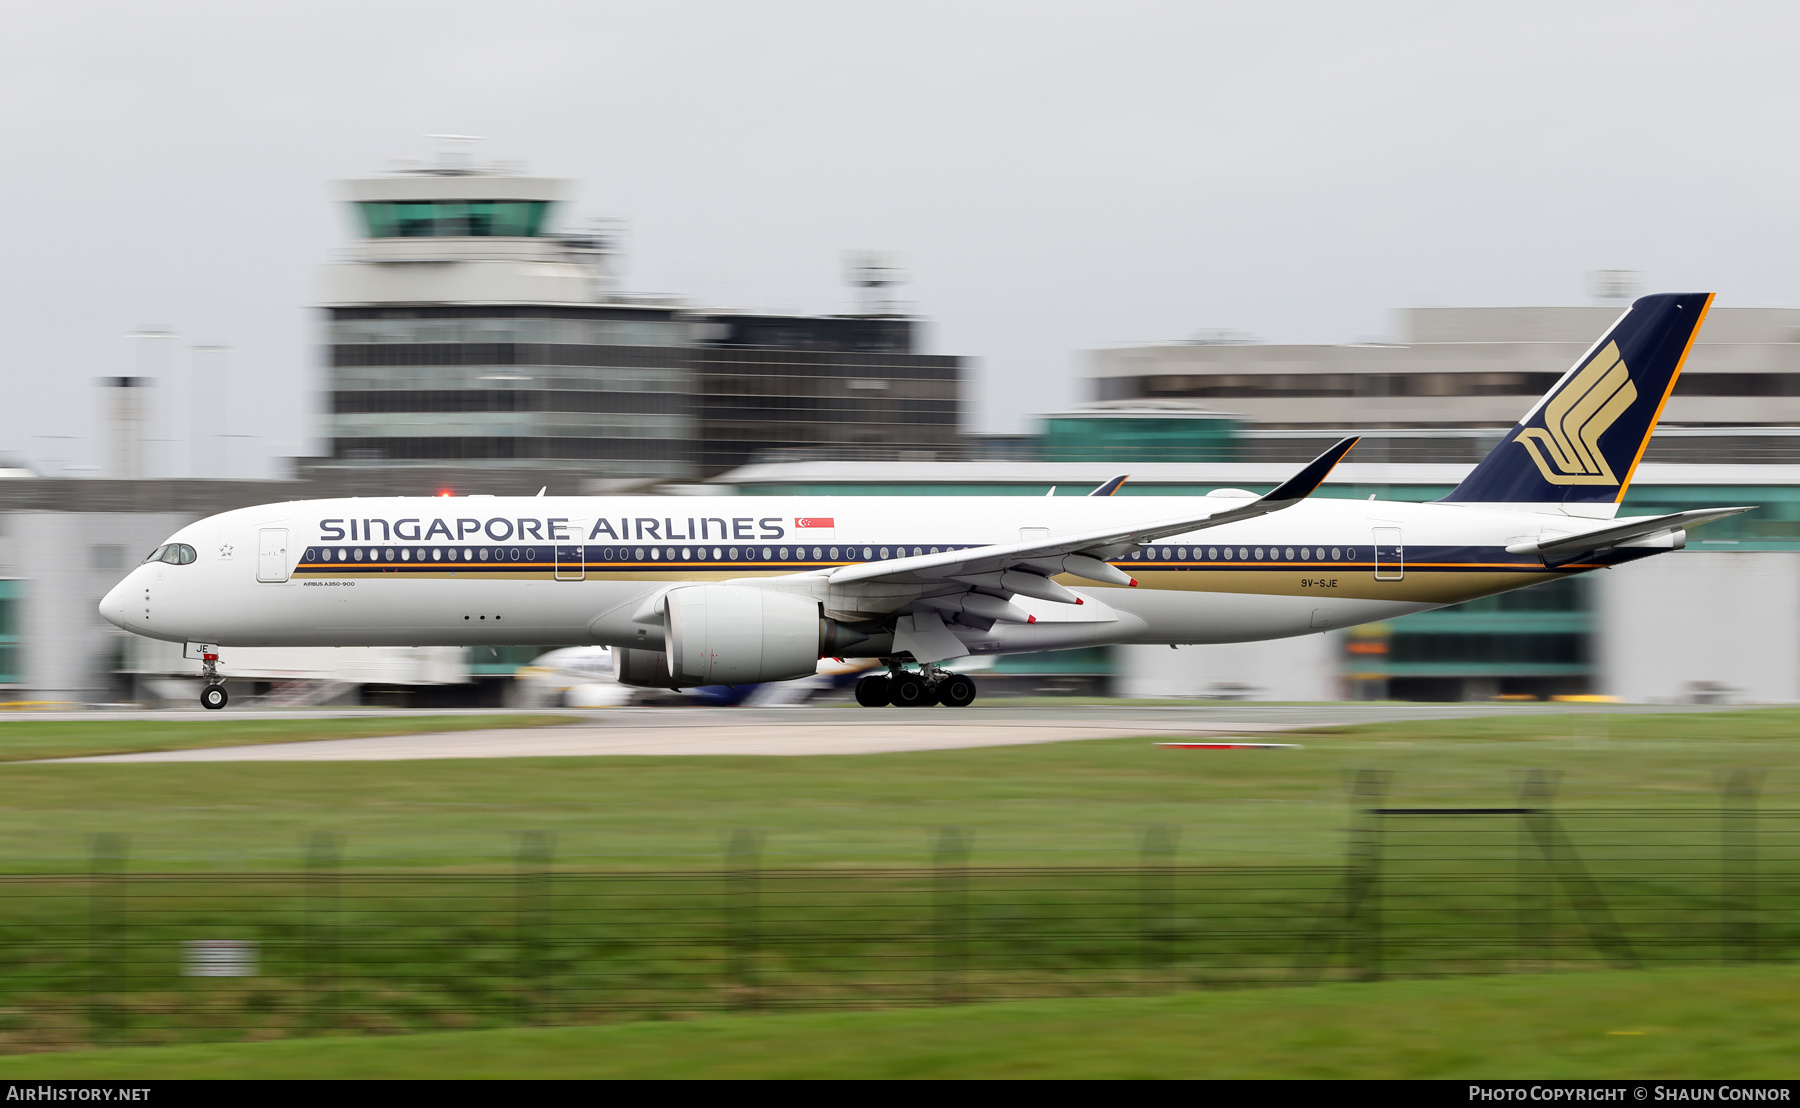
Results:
<point x="23" y="738"/>
<point x="644" y="923"/>
<point x="1063" y="803"/>
<point x="1739" y="1024"/>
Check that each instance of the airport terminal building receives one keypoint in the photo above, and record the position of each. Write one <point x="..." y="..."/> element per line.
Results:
<point x="1454" y="384"/>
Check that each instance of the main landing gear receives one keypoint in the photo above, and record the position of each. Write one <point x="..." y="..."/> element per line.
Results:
<point x="905" y="689"/>
<point x="213" y="696"/>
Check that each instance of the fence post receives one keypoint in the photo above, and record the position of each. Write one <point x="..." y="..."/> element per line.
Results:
<point x="106" y="969"/>
<point x="950" y="916"/>
<point x="531" y="910"/>
<point x="1363" y="902"/>
<point x="319" y="942"/>
<point x="1563" y="866"/>
<point x="1737" y="869"/>
<point x="1156" y="900"/>
<point x="1537" y="870"/>
<point x="744" y="922"/>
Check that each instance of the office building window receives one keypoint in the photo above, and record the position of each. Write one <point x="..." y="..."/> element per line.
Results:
<point x="12" y="650"/>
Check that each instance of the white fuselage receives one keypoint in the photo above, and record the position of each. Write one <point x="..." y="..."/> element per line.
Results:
<point x="576" y="570"/>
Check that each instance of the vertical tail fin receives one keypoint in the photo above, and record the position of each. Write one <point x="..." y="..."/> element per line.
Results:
<point x="1582" y="442"/>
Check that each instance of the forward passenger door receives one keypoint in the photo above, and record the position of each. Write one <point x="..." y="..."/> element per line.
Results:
<point x="1390" y="554"/>
<point x="571" y="563"/>
<point x="272" y="554"/>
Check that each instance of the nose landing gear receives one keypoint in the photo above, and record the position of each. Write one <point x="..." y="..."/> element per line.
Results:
<point x="213" y="696"/>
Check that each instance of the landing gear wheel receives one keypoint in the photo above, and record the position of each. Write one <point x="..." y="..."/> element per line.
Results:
<point x="213" y="697"/>
<point x="908" y="690"/>
<point x="872" y="691"/>
<point x="956" y="691"/>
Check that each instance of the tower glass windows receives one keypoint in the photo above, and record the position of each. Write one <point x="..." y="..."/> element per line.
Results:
<point x="391" y="219"/>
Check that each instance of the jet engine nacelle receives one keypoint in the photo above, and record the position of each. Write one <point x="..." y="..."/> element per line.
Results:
<point x="735" y="635"/>
<point x="641" y="669"/>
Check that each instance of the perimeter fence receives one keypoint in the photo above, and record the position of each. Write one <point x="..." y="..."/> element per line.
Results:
<point x="118" y="955"/>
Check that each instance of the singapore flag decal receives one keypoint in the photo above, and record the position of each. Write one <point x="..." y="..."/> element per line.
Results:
<point x="804" y="522"/>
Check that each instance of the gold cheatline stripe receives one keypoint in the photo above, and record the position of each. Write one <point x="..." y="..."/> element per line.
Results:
<point x="1329" y="565"/>
<point x="546" y="567"/>
<point x="1166" y="567"/>
<point x="1204" y="564"/>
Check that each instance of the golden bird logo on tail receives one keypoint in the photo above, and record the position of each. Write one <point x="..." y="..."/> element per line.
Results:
<point x="1567" y="448"/>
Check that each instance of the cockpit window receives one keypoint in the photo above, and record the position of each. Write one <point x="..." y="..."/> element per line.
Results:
<point x="174" y="553"/>
<point x="156" y="555"/>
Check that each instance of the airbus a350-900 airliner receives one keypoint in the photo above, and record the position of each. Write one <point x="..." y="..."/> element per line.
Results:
<point x="752" y="589"/>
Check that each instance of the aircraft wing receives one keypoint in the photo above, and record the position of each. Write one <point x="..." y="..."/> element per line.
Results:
<point x="1082" y="554"/>
<point x="1567" y="548"/>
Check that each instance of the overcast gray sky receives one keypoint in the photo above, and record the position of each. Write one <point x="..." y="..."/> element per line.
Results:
<point x="1060" y="176"/>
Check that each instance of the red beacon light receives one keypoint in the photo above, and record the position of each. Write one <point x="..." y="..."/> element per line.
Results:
<point x="445" y="492"/>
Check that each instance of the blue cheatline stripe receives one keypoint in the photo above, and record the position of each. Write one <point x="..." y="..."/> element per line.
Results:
<point x="365" y="558"/>
<point x="543" y="558"/>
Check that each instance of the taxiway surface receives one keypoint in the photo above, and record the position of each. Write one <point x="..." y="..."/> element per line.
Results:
<point x="837" y="730"/>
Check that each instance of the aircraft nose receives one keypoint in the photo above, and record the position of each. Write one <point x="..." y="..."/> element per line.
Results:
<point x="112" y="606"/>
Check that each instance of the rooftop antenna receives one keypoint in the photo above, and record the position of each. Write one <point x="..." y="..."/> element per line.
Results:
<point x="601" y="246"/>
<point x="455" y="155"/>
<point x="1614" y="286"/>
<point x="872" y="273"/>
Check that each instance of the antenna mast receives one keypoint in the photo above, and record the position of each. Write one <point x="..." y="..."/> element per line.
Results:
<point x="872" y="273"/>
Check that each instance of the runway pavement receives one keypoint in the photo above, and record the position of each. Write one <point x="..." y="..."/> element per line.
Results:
<point x="838" y="730"/>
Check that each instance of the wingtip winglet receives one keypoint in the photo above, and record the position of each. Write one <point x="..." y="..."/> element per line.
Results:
<point x="1303" y="484"/>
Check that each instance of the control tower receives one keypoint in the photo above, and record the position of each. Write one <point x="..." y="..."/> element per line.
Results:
<point x="465" y="328"/>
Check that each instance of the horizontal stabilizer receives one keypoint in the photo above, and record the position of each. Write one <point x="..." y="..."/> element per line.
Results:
<point x="1566" y="548"/>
